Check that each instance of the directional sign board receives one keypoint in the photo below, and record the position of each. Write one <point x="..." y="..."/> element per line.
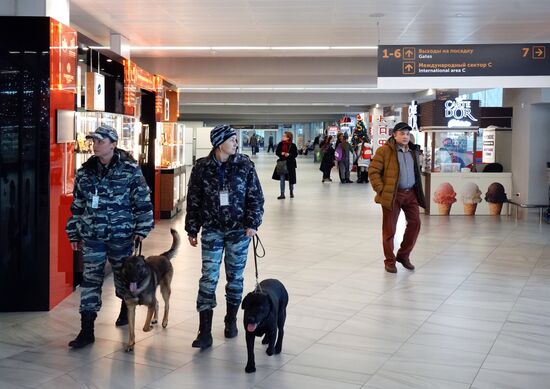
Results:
<point x="427" y="61"/>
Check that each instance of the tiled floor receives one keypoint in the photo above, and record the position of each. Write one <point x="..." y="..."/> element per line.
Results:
<point x="475" y="313"/>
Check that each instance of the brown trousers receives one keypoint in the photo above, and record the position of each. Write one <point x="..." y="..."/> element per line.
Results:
<point x="404" y="200"/>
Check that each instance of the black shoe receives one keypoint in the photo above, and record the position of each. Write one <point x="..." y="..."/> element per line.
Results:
<point x="122" y="319"/>
<point x="291" y="195"/>
<point x="230" y="321"/>
<point x="86" y="334"/>
<point x="281" y="197"/>
<point x="204" y="337"/>
<point x="330" y="179"/>
<point x="406" y="263"/>
<point x="390" y="267"/>
<point x="349" y="182"/>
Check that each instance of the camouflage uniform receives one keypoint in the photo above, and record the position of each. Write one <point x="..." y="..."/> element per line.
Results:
<point x="124" y="210"/>
<point x="223" y="226"/>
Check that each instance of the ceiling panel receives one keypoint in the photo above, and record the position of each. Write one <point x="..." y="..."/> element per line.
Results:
<point x="311" y="22"/>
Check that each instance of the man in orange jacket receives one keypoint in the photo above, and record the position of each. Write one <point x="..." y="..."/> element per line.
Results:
<point x="395" y="177"/>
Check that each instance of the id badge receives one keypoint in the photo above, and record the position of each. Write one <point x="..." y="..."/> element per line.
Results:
<point x="224" y="198"/>
<point x="95" y="201"/>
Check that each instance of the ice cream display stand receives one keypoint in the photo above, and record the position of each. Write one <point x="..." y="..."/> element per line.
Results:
<point x="450" y="185"/>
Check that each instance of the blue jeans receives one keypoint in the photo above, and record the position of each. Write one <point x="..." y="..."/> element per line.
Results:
<point x="95" y="253"/>
<point x="214" y="244"/>
<point x="282" y="184"/>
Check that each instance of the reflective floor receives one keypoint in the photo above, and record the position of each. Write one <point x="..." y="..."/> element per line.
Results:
<point x="475" y="313"/>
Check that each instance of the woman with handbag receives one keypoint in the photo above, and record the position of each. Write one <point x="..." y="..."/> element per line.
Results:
<point x="285" y="170"/>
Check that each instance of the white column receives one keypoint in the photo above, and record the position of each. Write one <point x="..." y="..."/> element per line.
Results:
<point x="530" y="148"/>
<point x="57" y="9"/>
<point x="120" y="45"/>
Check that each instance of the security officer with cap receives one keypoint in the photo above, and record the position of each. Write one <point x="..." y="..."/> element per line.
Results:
<point x="111" y="209"/>
<point x="225" y="199"/>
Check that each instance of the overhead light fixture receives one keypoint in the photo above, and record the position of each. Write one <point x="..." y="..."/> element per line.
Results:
<point x="80" y="60"/>
<point x="109" y="60"/>
<point x="459" y="15"/>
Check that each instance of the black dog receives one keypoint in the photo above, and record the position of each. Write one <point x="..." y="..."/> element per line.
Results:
<point x="264" y="314"/>
<point x="141" y="278"/>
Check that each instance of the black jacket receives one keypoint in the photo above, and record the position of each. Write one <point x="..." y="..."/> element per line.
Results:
<point x="246" y="199"/>
<point x="290" y="162"/>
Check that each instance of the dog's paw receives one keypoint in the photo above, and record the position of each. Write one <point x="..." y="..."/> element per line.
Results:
<point x="154" y="321"/>
<point x="165" y="324"/>
<point x="250" y="368"/>
<point x="269" y="351"/>
<point x="129" y="348"/>
<point x="147" y="328"/>
<point x="278" y="349"/>
<point x="265" y="340"/>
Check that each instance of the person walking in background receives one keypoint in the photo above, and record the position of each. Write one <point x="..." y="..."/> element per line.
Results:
<point x="327" y="162"/>
<point x="363" y="162"/>
<point x="342" y="155"/>
<point x="254" y="143"/>
<point x="111" y="209"/>
<point x="271" y="146"/>
<point x="287" y="152"/>
<point x="395" y="177"/>
<point x="225" y="199"/>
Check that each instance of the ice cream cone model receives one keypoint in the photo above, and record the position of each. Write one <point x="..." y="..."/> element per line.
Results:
<point x="444" y="209"/>
<point x="444" y="197"/>
<point x="495" y="197"/>
<point x="471" y="197"/>
<point x="495" y="208"/>
<point x="470" y="209"/>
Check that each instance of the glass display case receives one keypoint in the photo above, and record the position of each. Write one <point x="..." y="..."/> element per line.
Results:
<point x="127" y="127"/>
<point x="170" y="145"/>
<point x="170" y="161"/>
<point x="448" y="150"/>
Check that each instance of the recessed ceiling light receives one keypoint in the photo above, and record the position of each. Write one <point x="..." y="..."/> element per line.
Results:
<point x="459" y="15"/>
<point x="109" y="60"/>
<point x="80" y="60"/>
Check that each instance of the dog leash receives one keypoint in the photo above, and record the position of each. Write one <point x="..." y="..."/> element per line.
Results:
<point x="137" y="247"/>
<point x="256" y="242"/>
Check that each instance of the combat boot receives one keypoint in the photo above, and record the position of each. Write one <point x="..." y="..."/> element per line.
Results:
<point x="86" y="335"/>
<point x="230" y="320"/>
<point x="204" y="337"/>
<point x="122" y="319"/>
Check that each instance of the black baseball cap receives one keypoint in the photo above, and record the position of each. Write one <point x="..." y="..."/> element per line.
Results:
<point x="103" y="132"/>
<point x="402" y="126"/>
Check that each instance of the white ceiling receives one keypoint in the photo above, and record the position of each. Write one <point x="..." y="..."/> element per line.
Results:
<point x="276" y="23"/>
<point x="310" y="23"/>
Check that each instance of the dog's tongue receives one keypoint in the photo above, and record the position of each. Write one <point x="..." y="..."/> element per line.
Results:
<point x="251" y="327"/>
<point x="133" y="287"/>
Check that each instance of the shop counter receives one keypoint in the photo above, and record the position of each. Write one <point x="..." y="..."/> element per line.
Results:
<point x="466" y="193"/>
<point x="172" y="193"/>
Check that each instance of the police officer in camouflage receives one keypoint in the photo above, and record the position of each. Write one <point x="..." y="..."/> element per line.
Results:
<point x="111" y="209"/>
<point x="225" y="199"/>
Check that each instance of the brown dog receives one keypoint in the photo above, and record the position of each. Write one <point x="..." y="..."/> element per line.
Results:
<point x="141" y="277"/>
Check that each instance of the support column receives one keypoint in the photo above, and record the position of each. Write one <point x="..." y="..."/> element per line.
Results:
<point x="57" y="9"/>
<point x="120" y="45"/>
